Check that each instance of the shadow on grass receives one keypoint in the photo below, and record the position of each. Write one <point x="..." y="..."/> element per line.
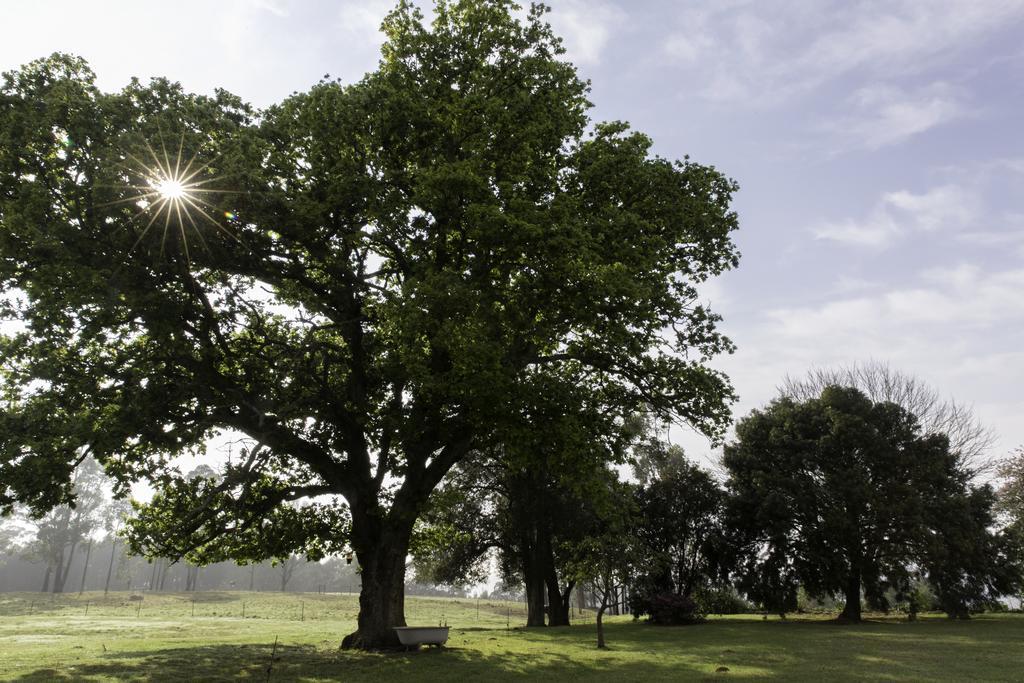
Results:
<point x="308" y="663"/>
<point x="793" y="650"/>
<point x="822" y="649"/>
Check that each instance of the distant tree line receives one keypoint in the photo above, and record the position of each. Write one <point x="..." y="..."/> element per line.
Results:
<point x="81" y="549"/>
<point x="103" y="564"/>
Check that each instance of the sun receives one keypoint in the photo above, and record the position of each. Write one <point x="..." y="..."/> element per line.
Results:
<point x="170" y="189"/>
<point x="174" y="193"/>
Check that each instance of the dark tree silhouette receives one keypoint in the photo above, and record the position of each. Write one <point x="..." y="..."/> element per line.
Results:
<point x="843" y="494"/>
<point x="361" y="279"/>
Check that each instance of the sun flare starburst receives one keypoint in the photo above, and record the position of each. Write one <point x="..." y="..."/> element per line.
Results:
<point x="176" y="194"/>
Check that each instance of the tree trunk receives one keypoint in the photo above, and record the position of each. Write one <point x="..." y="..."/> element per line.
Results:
<point x="381" y="548"/>
<point x="161" y="574"/>
<point x="567" y="602"/>
<point x="534" y="600"/>
<point x="60" y="577"/>
<point x="110" y="567"/>
<point x="600" y="623"/>
<point x="88" y="554"/>
<point x="46" y="578"/>
<point x="58" y="570"/>
<point x="556" y="616"/>
<point x="67" y="566"/>
<point x="559" y="605"/>
<point x="533" y="578"/>
<point x="851" y="612"/>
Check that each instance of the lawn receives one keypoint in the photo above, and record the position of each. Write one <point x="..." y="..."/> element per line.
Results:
<point x="92" y="638"/>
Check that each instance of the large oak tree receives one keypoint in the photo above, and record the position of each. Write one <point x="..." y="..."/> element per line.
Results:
<point x="362" y="279"/>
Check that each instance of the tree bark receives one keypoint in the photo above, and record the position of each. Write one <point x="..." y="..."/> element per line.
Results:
<point x="534" y="600"/>
<point x="46" y="579"/>
<point x="533" y="579"/>
<point x="851" y="612"/>
<point x="559" y="606"/>
<point x="381" y="548"/>
<point x="600" y="624"/>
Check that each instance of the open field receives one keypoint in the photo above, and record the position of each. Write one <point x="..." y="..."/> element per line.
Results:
<point x="160" y="639"/>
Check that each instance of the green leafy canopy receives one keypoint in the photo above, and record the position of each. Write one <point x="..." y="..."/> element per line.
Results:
<point x="384" y="271"/>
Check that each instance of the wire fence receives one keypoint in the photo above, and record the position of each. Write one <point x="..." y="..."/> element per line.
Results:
<point x="457" y="612"/>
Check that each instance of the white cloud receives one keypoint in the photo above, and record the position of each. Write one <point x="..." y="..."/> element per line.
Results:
<point x="882" y="115"/>
<point x="1010" y="240"/>
<point x="755" y="53"/>
<point x="364" y="18"/>
<point x="963" y="298"/>
<point x="947" y="207"/>
<point x="876" y="231"/>
<point x="586" y="27"/>
<point x="959" y="327"/>
<point x="273" y="6"/>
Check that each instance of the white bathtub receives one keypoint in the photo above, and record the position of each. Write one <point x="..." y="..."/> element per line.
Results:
<point x="422" y="635"/>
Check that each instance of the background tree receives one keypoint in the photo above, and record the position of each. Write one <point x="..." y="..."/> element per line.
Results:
<point x="836" y="491"/>
<point x="56" y="536"/>
<point x="607" y="557"/>
<point x="545" y="489"/>
<point x="372" y="277"/>
<point x="968" y="438"/>
<point x="1010" y="500"/>
<point x="113" y="522"/>
<point x="680" y="522"/>
<point x="969" y="561"/>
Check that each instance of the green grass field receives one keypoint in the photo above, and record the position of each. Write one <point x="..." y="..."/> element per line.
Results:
<point x="95" y="639"/>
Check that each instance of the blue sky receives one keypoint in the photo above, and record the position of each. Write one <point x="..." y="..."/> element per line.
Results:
<point x="877" y="144"/>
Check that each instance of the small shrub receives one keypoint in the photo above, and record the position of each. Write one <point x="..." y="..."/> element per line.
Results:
<point x="805" y="604"/>
<point x="670" y="609"/>
<point x="721" y="601"/>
